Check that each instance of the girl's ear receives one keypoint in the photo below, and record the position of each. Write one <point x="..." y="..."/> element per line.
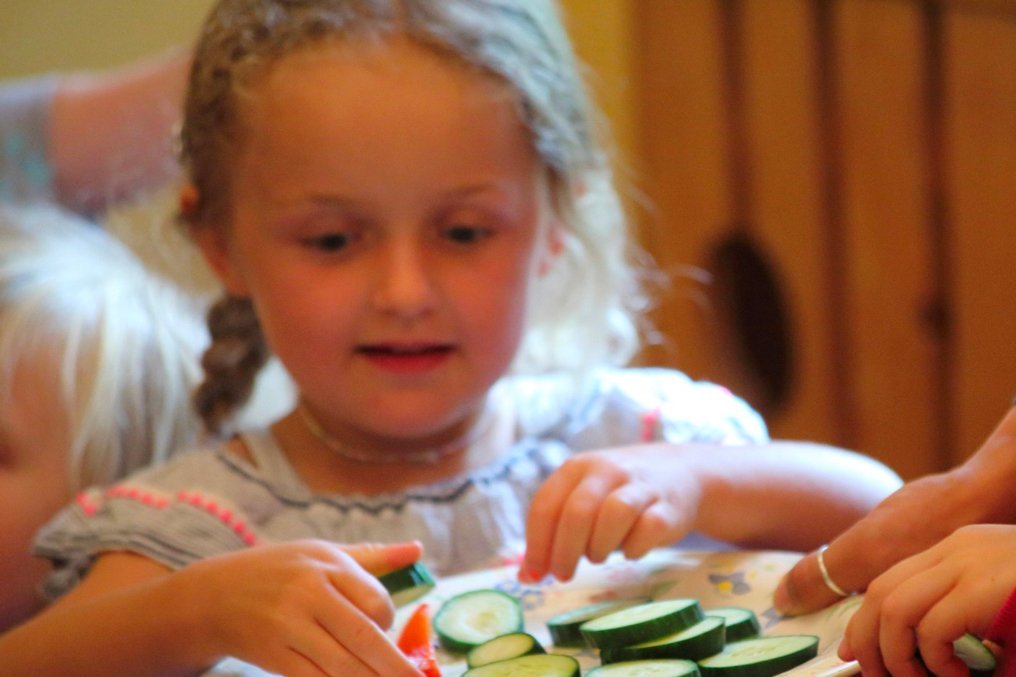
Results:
<point x="213" y="243"/>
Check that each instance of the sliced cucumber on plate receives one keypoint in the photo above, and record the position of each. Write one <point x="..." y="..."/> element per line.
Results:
<point x="739" y="623"/>
<point x="705" y="638"/>
<point x="564" y="627"/>
<point x="540" y="665"/>
<point x="663" y="667"/>
<point x="472" y="618"/>
<point x="503" y="647"/>
<point x="641" y="623"/>
<point x="760" y="656"/>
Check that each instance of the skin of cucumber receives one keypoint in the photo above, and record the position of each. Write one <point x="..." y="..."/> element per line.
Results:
<point x="709" y="640"/>
<point x="543" y="665"/>
<point x="720" y="665"/>
<point x="564" y="627"/>
<point x="602" y="632"/>
<point x="677" y="668"/>
<point x="530" y="645"/>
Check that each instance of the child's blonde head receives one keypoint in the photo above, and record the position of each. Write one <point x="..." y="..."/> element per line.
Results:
<point x="587" y="311"/>
<point x="123" y="345"/>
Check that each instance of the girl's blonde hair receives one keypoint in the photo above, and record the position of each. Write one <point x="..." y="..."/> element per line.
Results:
<point x="125" y="345"/>
<point x="589" y="310"/>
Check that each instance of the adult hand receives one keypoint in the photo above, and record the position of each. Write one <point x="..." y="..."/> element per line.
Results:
<point x="912" y="519"/>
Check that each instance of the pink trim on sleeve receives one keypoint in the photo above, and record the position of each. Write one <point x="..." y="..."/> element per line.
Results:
<point x="1003" y="632"/>
<point x="1003" y="628"/>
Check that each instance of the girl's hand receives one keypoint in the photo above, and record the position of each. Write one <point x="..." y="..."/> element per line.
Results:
<point x="301" y="608"/>
<point x="630" y="499"/>
<point x="926" y="602"/>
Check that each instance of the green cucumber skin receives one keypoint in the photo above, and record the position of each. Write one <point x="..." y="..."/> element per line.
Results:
<point x="714" y="666"/>
<point x="564" y="627"/>
<point x="408" y="584"/>
<point x="708" y="641"/>
<point x="649" y="668"/>
<point x="612" y="630"/>
<point x="542" y="665"/>
<point x="493" y="650"/>
<point x="746" y="627"/>
<point x="456" y="644"/>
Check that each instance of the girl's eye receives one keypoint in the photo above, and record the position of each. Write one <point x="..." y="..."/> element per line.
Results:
<point x="466" y="234"/>
<point x="331" y="242"/>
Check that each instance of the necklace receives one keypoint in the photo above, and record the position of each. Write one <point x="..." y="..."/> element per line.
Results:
<point x="428" y="456"/>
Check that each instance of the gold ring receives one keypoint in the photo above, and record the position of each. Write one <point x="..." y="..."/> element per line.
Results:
<point x="825" y="573"/>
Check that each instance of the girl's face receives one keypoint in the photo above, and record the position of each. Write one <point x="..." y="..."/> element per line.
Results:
<point x="33" y="482"/>
<point x="388" y="213"/>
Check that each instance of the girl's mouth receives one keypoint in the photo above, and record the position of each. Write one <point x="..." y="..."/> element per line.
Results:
<point x="406" y="359"/>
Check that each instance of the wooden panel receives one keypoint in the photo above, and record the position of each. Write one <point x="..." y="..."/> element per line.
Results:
<point x="880" y="62"/>
<point x="685" y="155"/>
<point x="980" y="124"/>
<point x="786" y="195"/>
<point x="603" y="36"/>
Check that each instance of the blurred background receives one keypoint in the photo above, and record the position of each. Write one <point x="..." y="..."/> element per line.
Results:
<point x="831" y="185"/>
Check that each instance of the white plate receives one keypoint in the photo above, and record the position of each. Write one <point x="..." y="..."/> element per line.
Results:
<point x="740" y="578"/>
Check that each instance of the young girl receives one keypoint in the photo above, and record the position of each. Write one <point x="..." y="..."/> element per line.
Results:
<point x="406" y="200"/>
<point x="97" y="362"/>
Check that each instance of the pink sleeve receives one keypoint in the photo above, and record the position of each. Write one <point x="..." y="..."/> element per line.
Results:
<point x="1003" y="628"/>
<point x="1003" y="632"/>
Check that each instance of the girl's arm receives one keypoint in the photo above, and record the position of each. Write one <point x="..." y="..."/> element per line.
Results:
<point x="110" y="134"/>
<point x="307" y="607"/>
<point x="922" y="513"/>
<point x="783" y="495"/>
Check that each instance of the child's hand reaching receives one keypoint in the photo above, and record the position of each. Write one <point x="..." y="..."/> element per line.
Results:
<point x="630" y="499"/>
<point x="309" y="607"/>
<point x="926" y="602"/>
<point x="302" y="608"/>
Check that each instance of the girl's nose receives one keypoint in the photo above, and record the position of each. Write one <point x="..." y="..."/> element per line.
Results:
<point x="404" y="285"/>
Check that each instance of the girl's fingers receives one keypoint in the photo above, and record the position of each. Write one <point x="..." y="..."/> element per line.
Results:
<point x="365" y="593"/>
<point x="366" y="649"/>
<point x="380" y="558"/>
<point x="941" y="625"/>
<point x="542" y="523"/>
<point x="617" y="517"/>
<point x="881" y="632"/>
<point x="575" y="526"/>
<point x="659" y="523"/>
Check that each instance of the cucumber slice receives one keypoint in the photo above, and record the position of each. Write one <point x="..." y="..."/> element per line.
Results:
<point x="408" y="584"/>
<point x="642" y="623"/>
<point x="503" y="647"/>
<point x="740" y="623"/>
<point x="761" y="656"/>
<point x="542" y="665"/>
<point x="564" y="627"/>
<point x="972" y="651"/>
<point x="705" y="638"/>
<point x="672" y="667"/>
<point x="472" y="618"/>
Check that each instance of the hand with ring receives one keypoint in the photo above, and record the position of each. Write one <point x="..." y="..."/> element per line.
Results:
<point x="914" y="518"/>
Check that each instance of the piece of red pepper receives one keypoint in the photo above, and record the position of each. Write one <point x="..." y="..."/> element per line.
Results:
<point x="417" y="644"/>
